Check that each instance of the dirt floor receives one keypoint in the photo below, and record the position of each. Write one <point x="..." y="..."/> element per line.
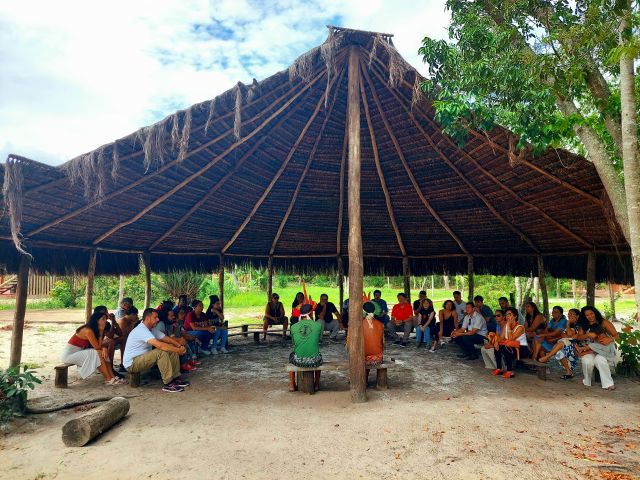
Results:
<point x="440" y="418"/>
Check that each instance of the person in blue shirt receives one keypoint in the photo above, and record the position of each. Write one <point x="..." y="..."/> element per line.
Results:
<point x="486" y="312"/>
<point x="383" y="316"/>
<point x="545" y="340"/>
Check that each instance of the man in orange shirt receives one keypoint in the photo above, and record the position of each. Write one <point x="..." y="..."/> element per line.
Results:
<point x="401" y="318"/>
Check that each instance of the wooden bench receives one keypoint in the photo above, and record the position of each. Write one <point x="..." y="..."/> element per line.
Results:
<point x="305" y="376"/>
<point x="541" y="368"/>
<point x="62" y="375"/>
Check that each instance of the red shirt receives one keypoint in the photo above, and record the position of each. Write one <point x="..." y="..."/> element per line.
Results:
<point x="402" y="312"/>
<point x="191" y="317"/>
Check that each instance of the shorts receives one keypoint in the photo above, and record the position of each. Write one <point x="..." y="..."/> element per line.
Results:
<point x="279" y="321"/>
<point x="305" y="362"/>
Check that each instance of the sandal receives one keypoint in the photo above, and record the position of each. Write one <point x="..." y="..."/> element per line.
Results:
<point x="496" y="372"/>
<point x="508" y="375"/>
<point x="566" y="376"/>
<point x="115" y="381"/>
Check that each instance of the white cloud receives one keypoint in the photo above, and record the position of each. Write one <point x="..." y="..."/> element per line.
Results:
<point x="78" y="74"/>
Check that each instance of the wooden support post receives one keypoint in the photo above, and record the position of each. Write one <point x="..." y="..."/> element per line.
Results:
<point x="612" y="301"/>
<point x="146" y="258"/>
<point x="269" y="278"/>
<point x="221" y="281"/>
<point x="356" y="258"/>
<point x="591" y="278"/>
<point x="340" y="283"/>
<point x="543" y="287"/>
<point x="91" y="271"/>
<point x="470" y="274"/>
<point x="79" y="431"/>
<point x="22" y="289"/>
<point x="406" y="273"/>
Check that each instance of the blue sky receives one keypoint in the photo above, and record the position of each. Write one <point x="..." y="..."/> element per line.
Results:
<point x="79" y="74"/>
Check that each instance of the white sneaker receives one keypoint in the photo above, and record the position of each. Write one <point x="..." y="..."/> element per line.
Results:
<point x="214" y="351"/>
<point x="204" y="352"/>
<point x="224" y="350"/>
<point x="432" y="350"/>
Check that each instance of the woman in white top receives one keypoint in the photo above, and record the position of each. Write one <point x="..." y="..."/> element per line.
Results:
<point x="512" y="338"/>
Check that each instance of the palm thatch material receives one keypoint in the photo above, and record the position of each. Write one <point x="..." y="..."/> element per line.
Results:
<point x="260" y="171"/>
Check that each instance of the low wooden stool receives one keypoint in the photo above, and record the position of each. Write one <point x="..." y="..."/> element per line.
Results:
<point x="62" y="375"/>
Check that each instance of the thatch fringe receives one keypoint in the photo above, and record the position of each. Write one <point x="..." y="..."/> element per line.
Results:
<point x="303" y="66"/>
<point x="211" y="114"/>
<point x="90" y="170"/>
<point x="397" y="65"/>
<point x="417" y="95"/>
<point x="254" y="90"/>
<point x="115" y="161"/>
<point x="175" y="130"/>
<point x="328" y="53"/>
<point x="237" y="118"/>
<point x="183" y="144"/>
<point x="154" y="146"/>
<point x="12" y="195"/>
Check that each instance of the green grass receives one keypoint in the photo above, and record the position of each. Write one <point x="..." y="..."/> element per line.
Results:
<point x="32" y="304"/>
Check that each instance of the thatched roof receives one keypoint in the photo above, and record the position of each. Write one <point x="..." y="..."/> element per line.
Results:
<point x="261" y="170"/>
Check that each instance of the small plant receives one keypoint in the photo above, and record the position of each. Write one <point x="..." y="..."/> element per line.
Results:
<point x="629" y="346"/>
<point x="14" y="386"/>
<point x="68" y="291"/>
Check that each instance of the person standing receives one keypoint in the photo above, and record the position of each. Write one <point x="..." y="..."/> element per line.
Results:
<point x="324" y="315"/>
<point x="459" y="306"/>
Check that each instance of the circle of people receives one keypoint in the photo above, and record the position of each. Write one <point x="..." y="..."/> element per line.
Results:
<point x="173" y="336"/>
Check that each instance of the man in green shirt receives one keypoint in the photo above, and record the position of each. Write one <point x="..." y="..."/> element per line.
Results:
<point x="306" y="335"/>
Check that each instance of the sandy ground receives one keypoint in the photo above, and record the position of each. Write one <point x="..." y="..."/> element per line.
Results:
<point x="440" y="419"/>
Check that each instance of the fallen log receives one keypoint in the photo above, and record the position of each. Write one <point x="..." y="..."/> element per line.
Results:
<point x="80" y="431"/>
<point x="76" y="403"/>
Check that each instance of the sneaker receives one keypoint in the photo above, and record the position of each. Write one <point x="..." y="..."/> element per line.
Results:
<point x="442" y="342"/>
<point x="194" y="363"/>
<point x="179" y="382"/>
<point x="172" y="388"/>
<point x="432" y="349"/>
<point x="224" y="350"/>
<point x="204" y="352"/>
<point x="496" y="372"/>
<point x="403" y="344"/>
<point x="214" y="351"/>
<point x="186" y="367"/>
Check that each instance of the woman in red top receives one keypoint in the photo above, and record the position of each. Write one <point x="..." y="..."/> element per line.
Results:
<point x="85" y="350"/>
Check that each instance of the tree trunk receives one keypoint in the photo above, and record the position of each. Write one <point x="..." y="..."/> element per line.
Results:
<point x="518" y="286"/>
<point x="536" y="290"/>
<point x="221" y="281"/>
<point x="630" y="157"/>
<point x="80" y="431"/>
<point x="612" y="301"/>
<point x="558" y="292"/>
<point x="146" y="258"/>
<point x="543" y="287"/>
<point x="269" y="278"/>
<point x="470" y="273"/>
<point x="22" y="289"/>
<point x="407" y="276"/>
<point x="433" y="288"/>
<point x="88" y="298"/>
<point x="121" y="288"/>
<point x="574" y="290"/>
<point x="462" y="285"/>
<point x="356" y="260"/>
<point x="445" y="280"/>
<point x="526" y="295"/>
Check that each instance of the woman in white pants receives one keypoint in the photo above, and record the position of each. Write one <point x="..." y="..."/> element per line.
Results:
<point x="601" y="350"/>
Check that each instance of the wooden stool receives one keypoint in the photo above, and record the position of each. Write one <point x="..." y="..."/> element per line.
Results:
<point x="134" y="379"/>
<point x="62" y="375"/>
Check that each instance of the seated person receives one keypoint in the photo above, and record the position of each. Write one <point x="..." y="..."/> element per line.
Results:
<point x="345" y="314"/>
<point x="383" y="316"/>
<point x="305" y="335"/>
<point x="373" y="334"/>
<point x="489" y="350"/>
<point x="544" y="341"/>
<point x="427" y="331"/>
<point x="600" y="350"/>
<point x="486" y="312"/>
<point x="183" y="302"/>
<point x="112" y="338"/>
<point x="324" y="316"/>
<point x="448" y="317"/>
<point x="216" y="318"/>
<point x="140" y="355"/>
<point x="534" y="321"/>
<point x="565" y="348"/>
<point x="85" y="350"/>
<point x="512" y="344"/>
<point x="417" y="305"/>
<point x="473" y="331"/>
<point x="401" y="317"/>
<point x="175" y="329"/>
<point x="274" y="315"/>
<point x="197" y="325"/>
<point x="127" y="317"/>
<point x="295" y="307"/>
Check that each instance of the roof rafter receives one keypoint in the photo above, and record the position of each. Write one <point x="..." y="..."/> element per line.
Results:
<point x="345" y="146"/>
<point x="376" y="160"/>
<point x="406" y="166"/>
<point x="307" y="166"/>
<point x="280" y="171"/>
<point x="210" y="164"/>
<point x="472" y="187"/>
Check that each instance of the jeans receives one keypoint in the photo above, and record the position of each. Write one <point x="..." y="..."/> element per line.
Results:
<point x="204" y="336"/>
<point x="423" y="336"/>
<point x="407" y="326"/>
<point x="220" y="333"/>
<point x="333" y="326"/>
<point x="467" y="342"/>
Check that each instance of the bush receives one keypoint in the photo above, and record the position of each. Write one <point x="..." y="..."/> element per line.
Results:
<point x="14" y="386"/>
<point x="69" y="291"/>
<point x="629" y="346"/>
<point x="376" y="281"/>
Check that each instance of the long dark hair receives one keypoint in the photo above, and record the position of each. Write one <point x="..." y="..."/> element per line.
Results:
<point x="93" y="323"/>
<point x="536" y="312"/>
<point x="295" y="300"/>
<point x="583" y="322"/>
<point x="213" y="299"/>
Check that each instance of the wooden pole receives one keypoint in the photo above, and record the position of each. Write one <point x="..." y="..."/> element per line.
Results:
<point x="356" y="260"/>
<point x="221" y="281"/>
<point x="91" y="271"/>
<point x="543" y="287"/>
<point x="22" y="288"/>
<point x="146" y="258"/>
<point x="121" y="288"/>
<point x="340" y="283"/>
<point x="612" y="301"/>
<point x="591" y="278"/>
<point x="406" y="273"/>
<point x="269" y="278"/>
<point x="470" y="274"/>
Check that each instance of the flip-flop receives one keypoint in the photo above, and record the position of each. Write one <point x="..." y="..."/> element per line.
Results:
<point x="508" y="375"/>
<point x="566" y="377"/>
